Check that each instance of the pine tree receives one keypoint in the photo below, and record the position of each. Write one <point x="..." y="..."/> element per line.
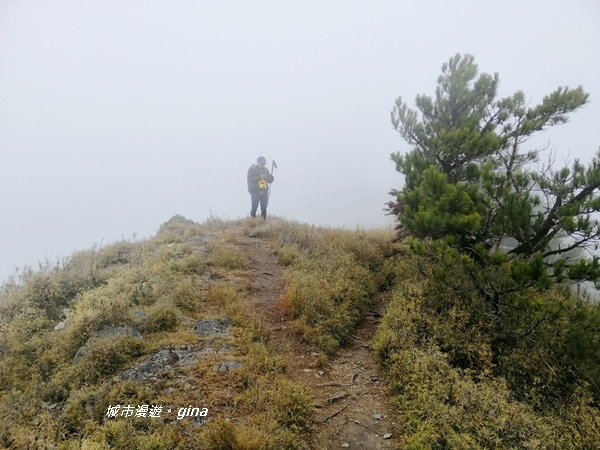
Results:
<point x="471" y="189"/>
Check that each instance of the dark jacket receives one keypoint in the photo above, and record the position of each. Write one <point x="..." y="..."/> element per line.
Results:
<point x="255" y="174"/>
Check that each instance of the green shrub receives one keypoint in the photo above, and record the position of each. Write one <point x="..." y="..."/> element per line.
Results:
<point x="329" y="295"/>
<point x="54" y="287"/>
<point x="161" y="318"/>
<point x="437" y="344"/>
<point x="222" y="295"/>
<point x="225" y="256"/>
<point x="82" y="405"/>
<point x="96" y="309"/>
<point x="223" y="435"/>
<point x="287" y="403"/>
<point x="104" y="357"/>
<point x="289" y="254"/>
<point x="117" y="254"/>
<point x="186" y="293"/>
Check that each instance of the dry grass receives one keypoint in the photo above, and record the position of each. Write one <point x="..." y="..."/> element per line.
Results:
<point x="331" y="277"/>
<point x="446" y="389"/>
<point x="159" y="288"/>
<point x="432" y="343"/>
<point x="224" y="255"/>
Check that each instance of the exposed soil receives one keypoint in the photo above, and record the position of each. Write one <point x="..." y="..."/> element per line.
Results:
<point x="348" y="390"/>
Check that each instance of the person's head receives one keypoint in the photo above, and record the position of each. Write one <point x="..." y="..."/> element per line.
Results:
<point x="261" y="161"/>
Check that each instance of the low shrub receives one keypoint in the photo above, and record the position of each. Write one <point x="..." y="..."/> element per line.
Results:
<point x="225" y="256"/>
<point x="329" y="295"/>
<point x="103" y="357"/>
<point x="161" y="317"/>
<point x="285" y="402"/>
<point x="224" y="435"/>
<point x="449" y="391"/>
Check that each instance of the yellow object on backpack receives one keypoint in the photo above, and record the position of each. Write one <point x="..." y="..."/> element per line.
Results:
<point x="262" y="184"/>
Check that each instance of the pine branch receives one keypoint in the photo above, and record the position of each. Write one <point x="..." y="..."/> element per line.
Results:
<point x="575" y="245"/>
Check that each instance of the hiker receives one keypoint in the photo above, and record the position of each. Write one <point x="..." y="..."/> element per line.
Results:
<point x="258" y="180"/>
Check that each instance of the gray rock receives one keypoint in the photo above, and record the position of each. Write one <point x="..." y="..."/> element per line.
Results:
<point x="59" y="326"/>
<point x="208" y="327"/>
<point x="226" y="366"/>
<point x="200" y="421"/>
<point x="158" y="363"/>
<point x="81" y="351"/>
<point x="167" y="359"/>
<point x="387" y="435"/>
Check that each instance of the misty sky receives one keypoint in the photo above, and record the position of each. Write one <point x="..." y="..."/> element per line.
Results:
<point x="117" y="115"/>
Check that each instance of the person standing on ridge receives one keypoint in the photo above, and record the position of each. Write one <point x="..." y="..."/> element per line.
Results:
<point x="259" y="179"/>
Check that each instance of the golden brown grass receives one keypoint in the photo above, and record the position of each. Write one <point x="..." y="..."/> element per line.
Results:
<point x="432" y="342"/>
<point x="158" y="287"/>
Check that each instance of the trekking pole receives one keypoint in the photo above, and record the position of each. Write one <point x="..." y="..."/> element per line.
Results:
<point x="273" y="167"/>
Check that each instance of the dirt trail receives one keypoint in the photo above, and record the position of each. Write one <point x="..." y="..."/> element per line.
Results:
<point x="348" y="389"/>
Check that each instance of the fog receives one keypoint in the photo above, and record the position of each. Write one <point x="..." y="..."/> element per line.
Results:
<point x="117" y="115"/>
